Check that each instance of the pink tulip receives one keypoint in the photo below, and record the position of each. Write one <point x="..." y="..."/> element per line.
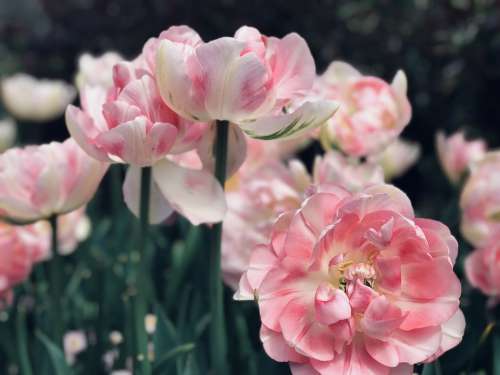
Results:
<point x="482" y="268"/>
<point x="261" y="191"/>
<point x="353" y="283"/>
<point x="480" y="200"/>
<point x="372" y="113"/>
<point x="96" y="70"/>
<point x="259" y="83"/>
<point x="20" y="248"/>
<point x="456" y="154"/>
<point x="37" y="182"/>
<point x="397" y="158"/>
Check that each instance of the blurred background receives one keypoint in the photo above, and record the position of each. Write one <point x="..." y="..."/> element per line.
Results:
<point x="449" y="49"/>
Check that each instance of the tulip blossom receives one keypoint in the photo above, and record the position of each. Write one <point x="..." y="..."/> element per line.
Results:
<point x="20" y="248"/>
<point x="8" y="131"/>
<point x="353" y="283"/>
<point x="397" y="158"/>
<point x="456" y="154"/>
<point x="372" y="113"/>
<point x="37" y="182"/>
<point x="74" y="342"/>
<point x="39" y="100"/>
<point x="131" y="124"/>
<point x="256" y="196"/>
<point x="259" y="83"/>
<point x="480" y="200"/>
<point x="96" y="70"/>
<point x="482" y="268"/>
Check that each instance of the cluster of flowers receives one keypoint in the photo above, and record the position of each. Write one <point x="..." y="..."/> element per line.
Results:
<point x="478" y="168"/>
<point x="347" y="279"/>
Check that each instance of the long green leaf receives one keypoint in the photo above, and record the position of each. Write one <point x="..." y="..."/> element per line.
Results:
<point x="55" y="355"/>
<point x="162" y="363"/>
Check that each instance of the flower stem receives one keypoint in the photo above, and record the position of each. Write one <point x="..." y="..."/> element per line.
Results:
<point x="218" y="345"/>
<point x="56" y="270"/>
<point x="141" y="359"/>
<point x="22" y="344"/>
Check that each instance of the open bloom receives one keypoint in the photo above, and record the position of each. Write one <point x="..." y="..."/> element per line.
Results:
<point x="355" y="284"/>
<point x="28" y="98"/>
<point x="37" y="182"/>
<point x="20" y="248"/>
<point x="456" y="154"/>
<point x="372" y="113"/>
<point x="259" y="83"/>
<point x="482" y="268"/>
<point x="8" y="131"/>
<point x="480" y="200"/>
<point x="96" y="70"/>
<point x="256" y="196"/>
<point x="74" y="342"/>
<point x="397" y="158"/>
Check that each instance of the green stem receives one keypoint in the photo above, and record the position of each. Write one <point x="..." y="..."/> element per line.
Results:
<point x="218" y="345"/>
<point x="22" y="345"/>
<point x="55" y="272"/>
<point x="140" y="304"/>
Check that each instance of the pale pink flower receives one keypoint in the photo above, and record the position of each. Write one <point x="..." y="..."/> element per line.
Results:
<point x="74" y="342"/>
<point x="20" y="248"/>
<point x="37" y="182"/>
<point x="482" y="268"/>
<point x="355" y="284"/>
<point x="456" y="154"/>
<point x="372" y="113"/>
<point x="31" y="99"/>
<point x="8" y="132"/>
<point x="259" y="83"/>
<point x="480" y="200"/>
<point x="397" y="158"/>
<point x="96" y="70"/>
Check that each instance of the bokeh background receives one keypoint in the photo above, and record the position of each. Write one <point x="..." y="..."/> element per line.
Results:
<point x="449" y="49"/>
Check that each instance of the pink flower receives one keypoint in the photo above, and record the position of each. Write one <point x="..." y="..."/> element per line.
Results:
<point x="456" y="154"/>
<point x="37" y="182"/>
<point x="355" y="284"/>
<point x="480" y="200"/>
<point x="96" y="70"/>
<point x="482" y="268"/>
<point x="259" y="83"/>
<point x="372" y="113"/>
<point x="397" y="158"/>
<point x="74" y="343"/>
<point x="20" y="248"/>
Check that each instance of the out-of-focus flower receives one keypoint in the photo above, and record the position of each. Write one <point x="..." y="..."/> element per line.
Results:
<point x="351" y="174"/>
<point x="257" y="196"/>
<point x="96" y="70"/>
<point x="480" y="200"/>
<point x="355" y="284"/>
<point x="397" y="158"/>
<point x="116" y="337"/>
<point x="372" y="113"/>
<point x="8" y="132"/>
<point x="121" y="372"/>
<point x="131" y="124"/>
<point x="74" y="342"/>
<point x="259" y="83"/>
<point x="456" y="154"/>
<point x="37" y="182"/>
<point x="31" y="99"/>
<point x="150" y="323"/>
<point x="20" y="248"/>
<point x="72" y="228"/>
<point x="109" y="358"/>
<point x="482" y="268"/>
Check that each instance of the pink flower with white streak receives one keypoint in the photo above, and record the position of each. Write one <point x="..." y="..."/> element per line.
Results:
<point x="355" y="284"/>
<point x="259" y="83"/>
<point x="372" y="113"/>
<point x="130" y="123"/>
<point x="482" y="268"/>
<point x="37" y="182"/>
<point x="96" y="70"/>
<point x="480" y="200"/>
<point x="456" y="154"/>
<point x="397" y="158"/>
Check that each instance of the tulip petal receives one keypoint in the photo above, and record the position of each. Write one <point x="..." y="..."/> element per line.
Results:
<point x="195" y="194"/>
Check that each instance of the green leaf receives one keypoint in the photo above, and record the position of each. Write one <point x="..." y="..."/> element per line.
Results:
<point x="165" y="337"/>
<point x="162" y="363"/>
<point x="496" y="353"/>
<point x="55" y="355"/>
<point x="191" y="366"/>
